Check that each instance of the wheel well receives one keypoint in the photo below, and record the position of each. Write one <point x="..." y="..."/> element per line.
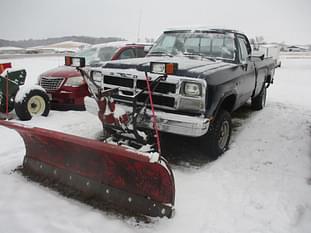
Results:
<point x="228" y="103"/>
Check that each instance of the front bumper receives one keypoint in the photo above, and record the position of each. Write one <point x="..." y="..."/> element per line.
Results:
<point x="71" y="98"/>
<point x="191" y="126"/>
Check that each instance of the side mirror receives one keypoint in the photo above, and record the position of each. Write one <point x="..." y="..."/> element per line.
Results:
<point x="244" y="65"/>
<point x="147" y="48"/>
<point x="261" y="57"/>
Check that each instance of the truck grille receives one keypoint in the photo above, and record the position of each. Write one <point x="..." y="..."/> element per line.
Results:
<point x="163" y="95"/>
<point x="51" y="83"/>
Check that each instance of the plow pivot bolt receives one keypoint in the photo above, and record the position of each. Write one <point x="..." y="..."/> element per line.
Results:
<point x="41" y="166"/>
<point x="88" y="183"/>
<point x="154" y="205"/>
<point x="70" y="177"/>
<point x="163" y="211"/>
<point x="55" y="172"/>
<point x="107" y="191"/>
<point x="130" y="199"/>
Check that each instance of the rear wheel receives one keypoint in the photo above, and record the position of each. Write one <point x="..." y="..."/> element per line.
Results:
<point x="35" y="103"/>
<point x="216" y="140"/>
<point x="259" y="102"/>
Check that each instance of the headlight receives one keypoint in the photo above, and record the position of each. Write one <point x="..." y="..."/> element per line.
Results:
<point x="74" y="81"/>
<point x="158" y="68"/>
<point x="97" y="77"/>
<point x="192" y="89"/>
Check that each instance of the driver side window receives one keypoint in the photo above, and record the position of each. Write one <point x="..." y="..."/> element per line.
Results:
<point x="243" y="50"/>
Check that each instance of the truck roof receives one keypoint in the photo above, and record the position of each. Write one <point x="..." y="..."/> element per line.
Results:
<point x="201" y="29"/>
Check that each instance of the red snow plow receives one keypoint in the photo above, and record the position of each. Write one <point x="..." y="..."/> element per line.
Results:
<point x="116" y="171"/>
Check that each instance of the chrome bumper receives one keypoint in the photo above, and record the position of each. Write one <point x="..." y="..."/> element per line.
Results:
<point x="167" y="122"/>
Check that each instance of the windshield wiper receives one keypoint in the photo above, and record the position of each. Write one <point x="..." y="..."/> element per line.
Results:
<point x="160" y="53"/>
<point x="200" y="55"/>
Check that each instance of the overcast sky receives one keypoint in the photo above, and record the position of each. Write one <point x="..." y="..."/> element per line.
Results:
<point x="275" y="20"/>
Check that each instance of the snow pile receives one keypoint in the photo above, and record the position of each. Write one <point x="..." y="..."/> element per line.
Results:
<point x="24" y="90"/>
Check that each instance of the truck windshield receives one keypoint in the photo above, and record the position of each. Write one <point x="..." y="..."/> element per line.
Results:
<point x="205" y="44"/>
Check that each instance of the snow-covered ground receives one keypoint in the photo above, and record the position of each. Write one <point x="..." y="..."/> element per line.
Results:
<point x="261" y="185"/>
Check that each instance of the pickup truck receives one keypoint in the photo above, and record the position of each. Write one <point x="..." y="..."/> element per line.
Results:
<point x="215" y="74"/>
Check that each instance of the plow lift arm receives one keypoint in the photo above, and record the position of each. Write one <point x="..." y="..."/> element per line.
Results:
<point x="124" y="178"/>
<point x="124" y="127"/>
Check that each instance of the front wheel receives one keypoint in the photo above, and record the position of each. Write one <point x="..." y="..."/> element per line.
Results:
<point x="215" y="142"/>
<point x="34" y="102"/>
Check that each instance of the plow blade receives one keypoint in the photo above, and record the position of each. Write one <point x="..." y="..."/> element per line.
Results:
<point x="125" y="179"/>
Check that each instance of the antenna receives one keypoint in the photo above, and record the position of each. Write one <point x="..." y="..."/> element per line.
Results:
<point x="139" y="23"/>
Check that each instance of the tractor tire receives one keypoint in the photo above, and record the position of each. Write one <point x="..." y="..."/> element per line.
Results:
<point x="215" y="142"/>
<point x="259" y="102"/>
<point x="34" y="103"/>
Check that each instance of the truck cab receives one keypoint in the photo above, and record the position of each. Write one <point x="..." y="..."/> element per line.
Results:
<point x="215" y="74"/>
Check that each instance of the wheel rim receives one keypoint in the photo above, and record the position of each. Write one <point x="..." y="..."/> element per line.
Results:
<point x="36" y="105"/>
<point x="224" y="135"/>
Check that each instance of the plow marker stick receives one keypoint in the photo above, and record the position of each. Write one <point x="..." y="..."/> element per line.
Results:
<point x="116" y="175"/>
<point x="7" y="97"/>
<point x="154" y="118"/>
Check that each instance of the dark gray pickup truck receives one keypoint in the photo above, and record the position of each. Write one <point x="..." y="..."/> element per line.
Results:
<point x="215" y="74"/>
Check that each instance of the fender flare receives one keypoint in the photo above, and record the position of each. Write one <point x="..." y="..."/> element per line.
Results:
<point x="229" y="94"/>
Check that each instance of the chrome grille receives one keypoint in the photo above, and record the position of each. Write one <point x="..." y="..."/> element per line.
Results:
<point x="163" y="96"/>
<point x="51" y="83"/>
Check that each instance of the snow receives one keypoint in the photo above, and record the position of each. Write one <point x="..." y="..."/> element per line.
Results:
<point x="65" y="46"/>
<point x="262" y="184"/>
<point x="26" y="89"/>
<point x="68" y="44"/>
<point x="10" y="48"/>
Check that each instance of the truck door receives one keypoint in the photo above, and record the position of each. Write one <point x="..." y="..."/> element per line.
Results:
<point x="247" y="81"/>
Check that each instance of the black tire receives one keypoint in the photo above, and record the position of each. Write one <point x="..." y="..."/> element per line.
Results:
<point x="259" y="101"/>
<point x="35" y="103"/>
<point x="215" y="142"/>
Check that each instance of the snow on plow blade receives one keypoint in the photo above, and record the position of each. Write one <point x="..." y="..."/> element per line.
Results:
<point x="124" y="178"/>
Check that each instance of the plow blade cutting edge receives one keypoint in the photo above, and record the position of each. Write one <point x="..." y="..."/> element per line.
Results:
<point x="123" y="178"/>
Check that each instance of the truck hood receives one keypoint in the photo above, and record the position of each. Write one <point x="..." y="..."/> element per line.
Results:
<point x="62" y="71"/>
<point x="189" y="67"/>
